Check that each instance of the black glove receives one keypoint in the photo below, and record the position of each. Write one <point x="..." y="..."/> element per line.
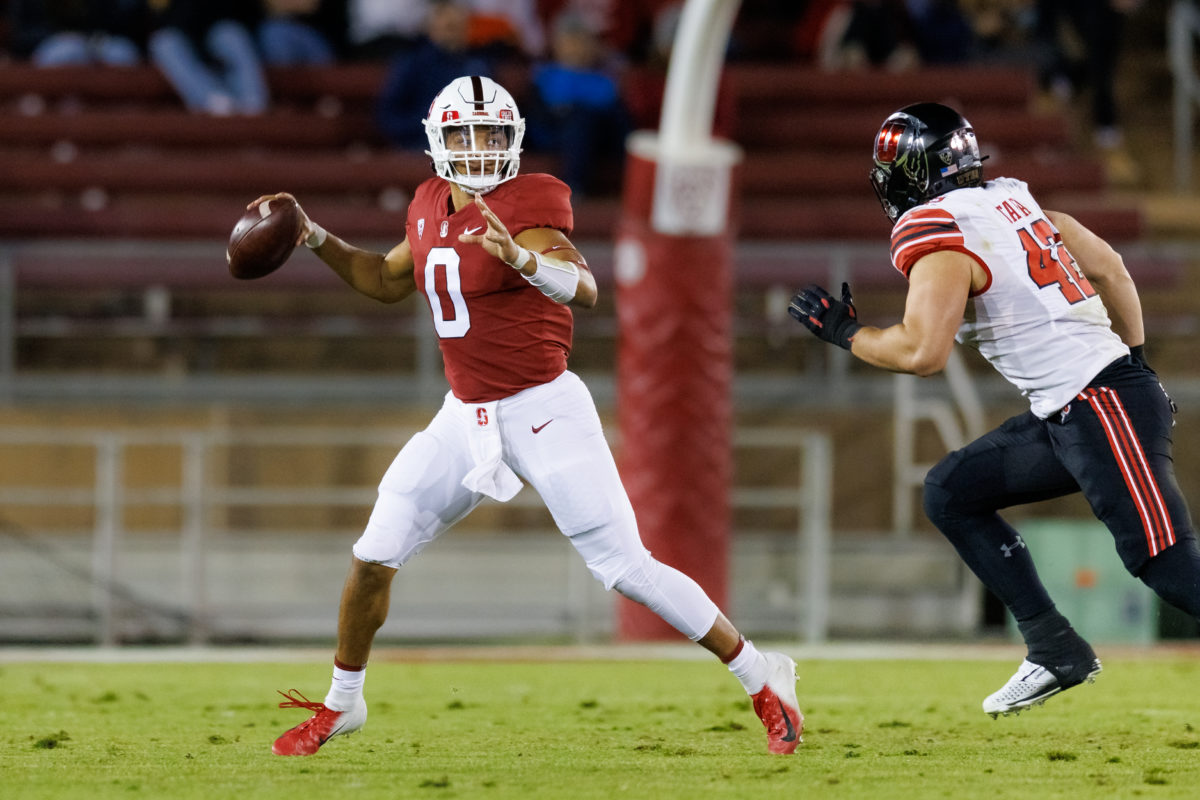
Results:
<point x="1138" y="354"/>
<point x="832" y="320"/>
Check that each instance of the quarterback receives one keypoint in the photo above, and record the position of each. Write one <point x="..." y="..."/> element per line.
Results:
<point x="1051" y="306"/>
<point x="488" y="249"/>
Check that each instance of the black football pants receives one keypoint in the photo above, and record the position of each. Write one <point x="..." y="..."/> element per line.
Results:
<point x="1113" y="443"/>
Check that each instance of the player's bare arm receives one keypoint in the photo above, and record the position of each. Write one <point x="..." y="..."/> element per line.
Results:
<point x="920" y="344"/>
<point x="384" y="277"/>
<point x="939" y="285"/>
<point x="534" y="250"/>
<point x="1105" y="270"/>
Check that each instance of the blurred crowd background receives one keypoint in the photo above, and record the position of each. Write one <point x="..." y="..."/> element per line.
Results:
<point x="584" y="71"/>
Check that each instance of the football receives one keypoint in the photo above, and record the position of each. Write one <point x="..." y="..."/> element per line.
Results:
<point x="263" y="239"/>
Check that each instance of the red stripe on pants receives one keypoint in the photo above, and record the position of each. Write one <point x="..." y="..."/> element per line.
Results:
<point x="1135" y="469"/>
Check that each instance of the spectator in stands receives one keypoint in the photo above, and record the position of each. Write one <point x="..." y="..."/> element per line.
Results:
<point x="508" y="24"/>
<point x="414" y="78"/>
<point x="206" y="51"/>
<point x="382" y="29"/>
<point x="295" y="32"/>
<point x="627" y="25"/>
<point x="55" y="33"/>
<point x="1099" y="26"/>
<point x="645" y="84"/>
<point x="819" y="29"/>
<point x="857" y="34"/>
<point x="578" y="110"/>
<point x="763" y="30"/>
<point x="1003" y="29"/>
<point x="942" y="31"/>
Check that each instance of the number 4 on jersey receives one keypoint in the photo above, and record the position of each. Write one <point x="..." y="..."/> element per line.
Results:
<point x="1051" y="264"/>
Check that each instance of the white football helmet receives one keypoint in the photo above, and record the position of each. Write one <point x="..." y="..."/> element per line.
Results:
<point x="475" y="133"/>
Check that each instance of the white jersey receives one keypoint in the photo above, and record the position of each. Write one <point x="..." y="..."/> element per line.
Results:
<point x="1037" y="320"/>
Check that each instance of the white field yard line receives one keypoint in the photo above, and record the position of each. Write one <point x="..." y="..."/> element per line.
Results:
<point x="833" y="651"/>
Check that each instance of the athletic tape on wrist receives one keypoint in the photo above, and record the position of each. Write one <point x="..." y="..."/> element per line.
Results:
<point x="522" y="258"/>
<point x="316" y="236"/>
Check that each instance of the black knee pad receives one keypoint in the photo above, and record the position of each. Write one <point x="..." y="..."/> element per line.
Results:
<point x="939" y="499"/>
<point x="937" y="503"/>
<point x="1174" y="575"/>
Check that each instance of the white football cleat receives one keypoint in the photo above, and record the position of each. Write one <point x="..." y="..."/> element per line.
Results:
<point x="1032" y="683"/>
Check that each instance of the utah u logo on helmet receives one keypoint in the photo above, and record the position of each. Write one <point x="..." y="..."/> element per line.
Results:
<point x="903" y="176"/>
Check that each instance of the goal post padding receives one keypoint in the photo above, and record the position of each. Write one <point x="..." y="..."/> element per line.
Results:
<point x="675" y="364"/>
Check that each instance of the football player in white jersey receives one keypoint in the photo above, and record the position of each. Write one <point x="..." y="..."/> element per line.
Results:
<point x="1053" y="309"/>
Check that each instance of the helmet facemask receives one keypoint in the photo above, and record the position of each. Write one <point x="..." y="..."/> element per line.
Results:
<point x="475" y="132"/>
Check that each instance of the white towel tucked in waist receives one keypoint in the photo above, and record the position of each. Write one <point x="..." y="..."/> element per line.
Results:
<point x="491" y="476"/>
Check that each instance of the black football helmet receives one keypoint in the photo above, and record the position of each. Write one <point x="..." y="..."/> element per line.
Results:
<point x="922" y="151"/>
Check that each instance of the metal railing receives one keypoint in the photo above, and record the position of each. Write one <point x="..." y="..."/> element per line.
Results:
<point x="203" y="500"/>
<point x="957" y="420"/>
<point x="151" y="274"/>
<point x="151" y="277"/>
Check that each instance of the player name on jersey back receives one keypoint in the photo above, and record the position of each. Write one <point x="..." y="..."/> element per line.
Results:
<point x="1037" y="320"/>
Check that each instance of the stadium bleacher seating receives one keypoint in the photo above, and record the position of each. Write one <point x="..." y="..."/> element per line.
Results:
<point x="110" y="152"/>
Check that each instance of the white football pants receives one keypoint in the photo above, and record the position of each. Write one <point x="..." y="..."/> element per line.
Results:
<point x="551" y="436"/>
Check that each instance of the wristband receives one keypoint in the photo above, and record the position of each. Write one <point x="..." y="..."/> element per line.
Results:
<point x="316" y="236"/>
<point x="521" y="260"/>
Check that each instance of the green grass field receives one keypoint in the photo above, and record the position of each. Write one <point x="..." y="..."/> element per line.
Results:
<point x="597" y="729"/>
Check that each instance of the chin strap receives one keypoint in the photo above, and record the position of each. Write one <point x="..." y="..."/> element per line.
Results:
<point x="555" y="278"/>
<point x="474" y="190"/>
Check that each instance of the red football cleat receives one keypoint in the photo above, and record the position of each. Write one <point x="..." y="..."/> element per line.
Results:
<point x="776" y="705"/>
<point x="307" y="737"/>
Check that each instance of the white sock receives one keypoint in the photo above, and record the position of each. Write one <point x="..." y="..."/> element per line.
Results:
<point x="750" y="667"/>
<point x="346" y="690"/>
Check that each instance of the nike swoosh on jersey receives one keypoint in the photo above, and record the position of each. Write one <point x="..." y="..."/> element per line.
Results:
<point x="538" y="429"/>
<point x="470" y="231"/>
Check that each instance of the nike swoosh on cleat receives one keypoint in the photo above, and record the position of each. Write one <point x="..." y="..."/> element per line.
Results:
<point x="791" y="734"/>
<point x="538" y="429"/>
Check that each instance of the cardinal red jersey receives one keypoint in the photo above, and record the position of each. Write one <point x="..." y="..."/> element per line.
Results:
<point x="498" y="333"/>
